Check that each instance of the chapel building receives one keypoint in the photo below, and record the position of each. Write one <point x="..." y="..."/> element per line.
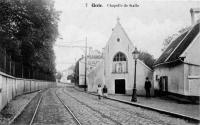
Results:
<point x="116" y="70"/>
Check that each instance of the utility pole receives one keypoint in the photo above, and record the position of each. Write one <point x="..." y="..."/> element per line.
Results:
<point x="85" y="63"/>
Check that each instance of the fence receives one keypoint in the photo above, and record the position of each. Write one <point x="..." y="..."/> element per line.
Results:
<point x="11" y="87"/>
<point x="17" y="69"/>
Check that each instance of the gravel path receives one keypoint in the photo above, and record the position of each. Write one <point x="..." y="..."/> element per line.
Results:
<point x="122" y="113"/>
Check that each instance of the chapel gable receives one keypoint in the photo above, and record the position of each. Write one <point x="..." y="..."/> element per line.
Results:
<point x="118" y="40"/>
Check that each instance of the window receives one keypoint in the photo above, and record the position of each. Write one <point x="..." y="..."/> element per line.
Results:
<point x="119" y="57"/>
<point x="118" y="67"/>
<point x="120" y="63"/>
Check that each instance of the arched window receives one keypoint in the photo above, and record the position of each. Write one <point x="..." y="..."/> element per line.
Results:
<point x="120" y="63"/>
<point x="119" y="57"/>
<point x="119" y="68"/>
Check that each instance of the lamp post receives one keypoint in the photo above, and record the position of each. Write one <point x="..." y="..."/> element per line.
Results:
<point x="135" y="54"/>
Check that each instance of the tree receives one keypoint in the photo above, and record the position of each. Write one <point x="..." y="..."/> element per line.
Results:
<point x="76" y="72"/>
<point x="28" y="29"/>
<point x="169" y="39"/>
<point x="147" y="58"/>
<point x="71" y="77"/>
<point x="59" y="76"/>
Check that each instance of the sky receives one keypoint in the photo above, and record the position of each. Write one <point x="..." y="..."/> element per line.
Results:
<point x="147" y="25"/>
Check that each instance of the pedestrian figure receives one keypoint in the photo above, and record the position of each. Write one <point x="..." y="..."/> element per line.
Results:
<point x="105" y="91"/>
<point x="147" y="87"/>
<point x="99" y="91"/>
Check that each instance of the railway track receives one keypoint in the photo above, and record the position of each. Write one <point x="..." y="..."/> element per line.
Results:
<point x="29" y="117"/>
<point x="36" y="109"/>
<point x="68" y="109"/>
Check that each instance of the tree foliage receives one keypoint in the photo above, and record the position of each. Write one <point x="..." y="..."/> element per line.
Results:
<point x="76" y="72"/>
<point x="59" y="76"/>
<point x="169" y="39"/>
<point x="28" y="31"/>
<point x="147" y="58"/>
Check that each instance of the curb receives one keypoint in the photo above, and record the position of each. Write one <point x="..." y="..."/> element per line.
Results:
<point x="20" y="111"/>
<point x="30" y="92"/>
<point x="177" y="115"/>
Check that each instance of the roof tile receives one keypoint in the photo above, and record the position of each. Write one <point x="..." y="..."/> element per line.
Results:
<point x="178" y="46"/>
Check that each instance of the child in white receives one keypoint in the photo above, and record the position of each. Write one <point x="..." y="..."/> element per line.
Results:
<point x="99" y="91"/>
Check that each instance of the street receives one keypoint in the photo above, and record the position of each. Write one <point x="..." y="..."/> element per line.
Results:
<point x="89" y="110"/>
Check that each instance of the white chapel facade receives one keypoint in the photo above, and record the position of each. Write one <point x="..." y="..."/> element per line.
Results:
<point x="117" y="68"/>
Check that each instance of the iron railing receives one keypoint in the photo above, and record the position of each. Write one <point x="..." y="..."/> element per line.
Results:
<point x="17" y="69"/>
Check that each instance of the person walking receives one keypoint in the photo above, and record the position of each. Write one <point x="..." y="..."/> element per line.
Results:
<point x="99" y="91"/>
<point x="105" y="91"/>
<point x="147" y="87"/>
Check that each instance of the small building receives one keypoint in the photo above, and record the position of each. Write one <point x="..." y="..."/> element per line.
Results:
<point x="177" y="70"/>
<point x="65" y="74"/>
<point x="116" y="71"/>
<point x="93" y="57"/>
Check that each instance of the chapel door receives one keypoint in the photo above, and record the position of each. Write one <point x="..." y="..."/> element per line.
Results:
<point x="120" y="86"/>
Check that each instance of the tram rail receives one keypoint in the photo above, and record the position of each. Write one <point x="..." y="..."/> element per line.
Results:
<point x="68" y="109"/>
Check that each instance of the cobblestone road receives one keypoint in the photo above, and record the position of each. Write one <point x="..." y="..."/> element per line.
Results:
<point x="51" y="111"/>
<point x="91" y="111"/>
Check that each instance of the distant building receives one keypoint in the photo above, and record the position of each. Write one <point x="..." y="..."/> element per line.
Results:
<point x="65" y="74"/>
<point x="93" y="57"/>
<point x="116" y="70"/>
<point x="177" y="70"/>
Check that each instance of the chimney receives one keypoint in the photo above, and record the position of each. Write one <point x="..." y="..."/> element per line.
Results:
<point x="194" y="11"/>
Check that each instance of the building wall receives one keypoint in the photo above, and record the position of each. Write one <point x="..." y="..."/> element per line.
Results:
<point x="192" y="68"/>
<point x="192" y="72"/>
<point x="81" y="71"/>
<point x="141" y="73"/>
<point x="194" y="86"/>
<point x="91" y="64"/>
<point x="192" y="80"/>
<point x="183" y="79"/>
<point x="175" y="78"/>
<point x="192" y="52"/>
<point x="96" y="77"/>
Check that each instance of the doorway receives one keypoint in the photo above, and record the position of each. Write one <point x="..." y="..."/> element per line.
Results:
<point x="163" y="85"/>
<point x="120" y="86"/>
